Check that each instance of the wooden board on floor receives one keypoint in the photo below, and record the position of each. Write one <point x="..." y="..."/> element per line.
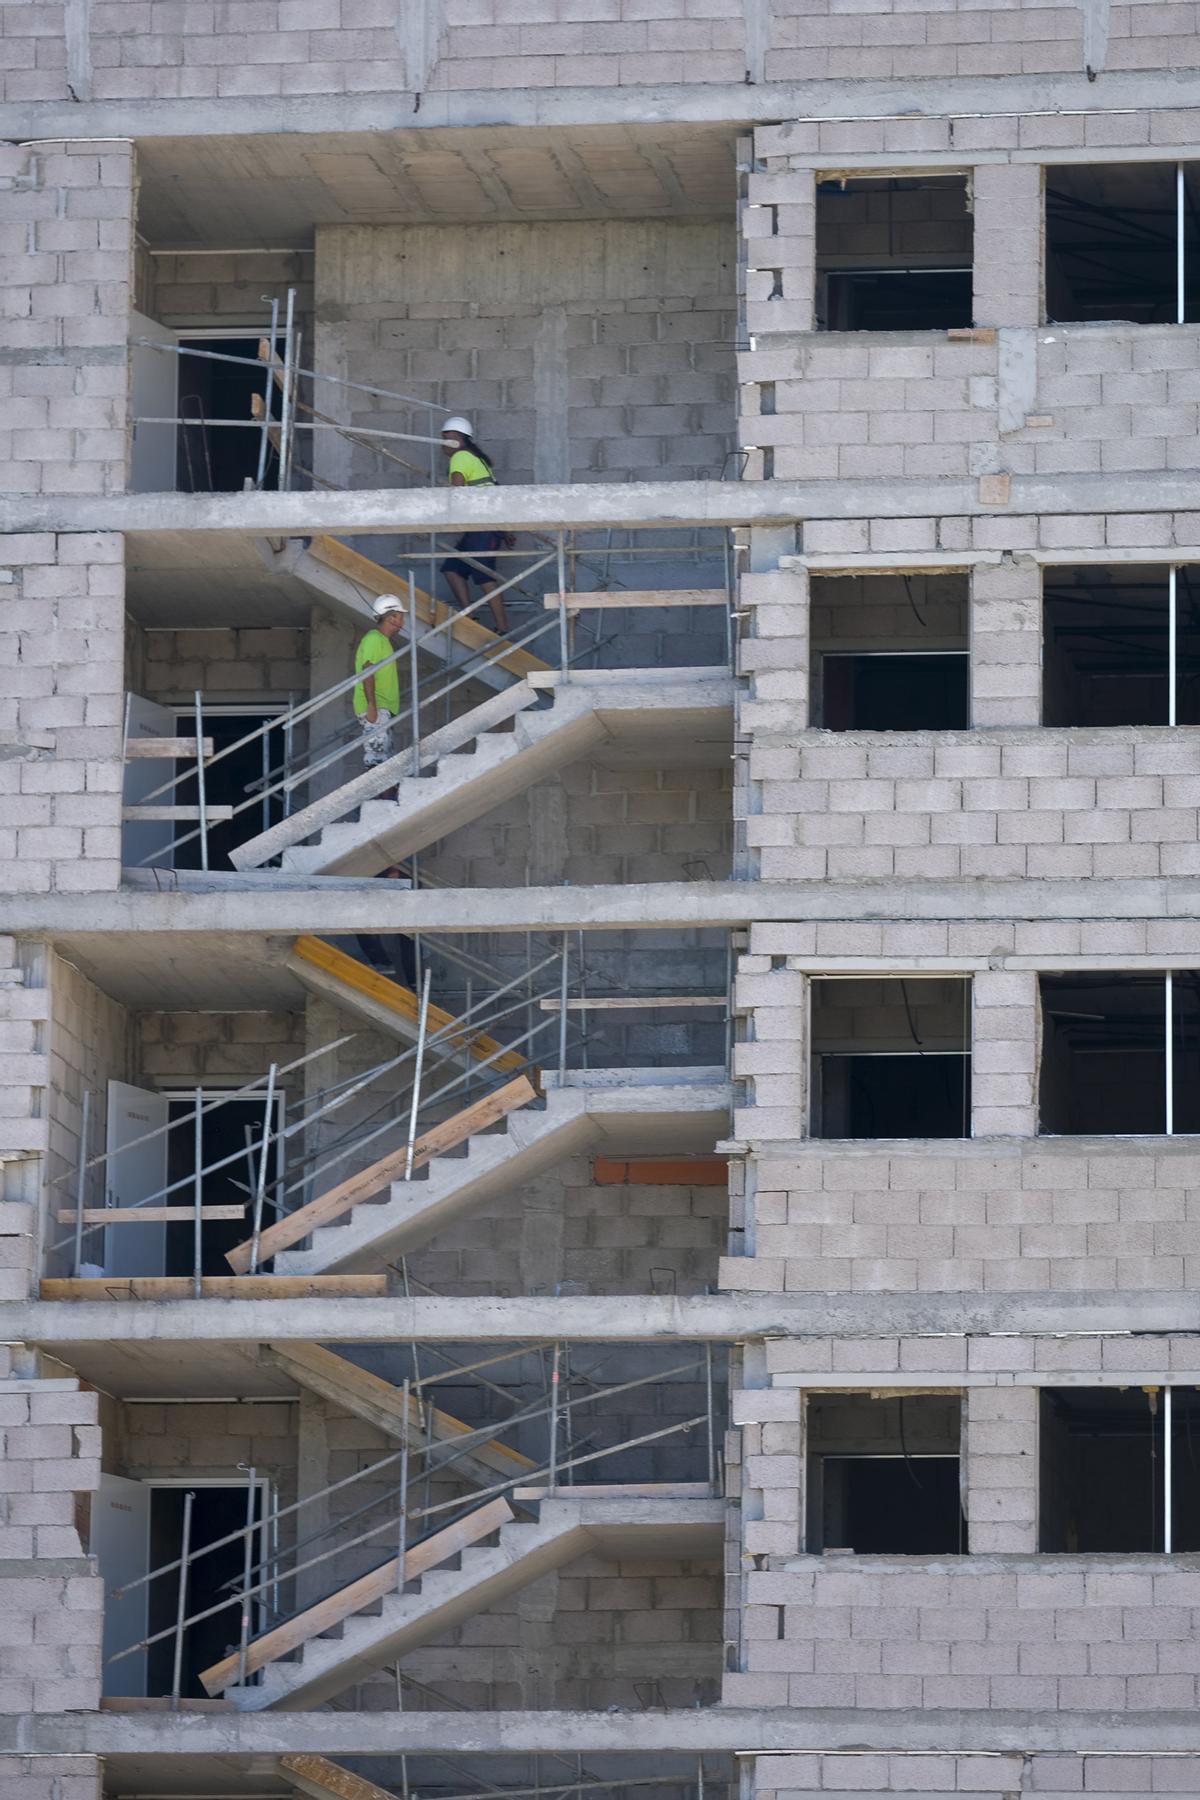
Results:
<point x="212" y="1287"/>
<point x="149" y="1215"/>
<point x="660" y="1171"/>
<point x="578" y="602"/>
<point x="349" y="1193"/>
<point x="352" y="1598"/>
<point x="178" y="815"/>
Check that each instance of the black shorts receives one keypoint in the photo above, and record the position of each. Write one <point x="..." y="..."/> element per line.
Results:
<point x="477" y="544"/>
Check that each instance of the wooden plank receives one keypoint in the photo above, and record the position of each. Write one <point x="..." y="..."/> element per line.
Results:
<point x="367" y="1588"/>
<point x="349" y="1193"/>
<point x="632" y="1002"/>
<point x="372" y="1398"/>
<point x="149" y="1215"/>
<point x="185" y="815"/>
<point x="616" y="1490"/>
<point x="212" y="1287"/>
<point x="402" y="1001"/>
<point x="661" y="1171"/>
<point x="579" y="602"/>
<point x="317" y="1776"/>
<point x="378" y="580"/>
<point x="144" y="748"/>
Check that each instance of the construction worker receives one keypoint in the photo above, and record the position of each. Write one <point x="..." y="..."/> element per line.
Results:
<point x="393" y="956"/>
<point x="377" y="696"/>
<point x="470" y="467"/>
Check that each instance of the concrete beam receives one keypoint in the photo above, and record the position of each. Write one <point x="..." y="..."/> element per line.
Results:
<point x="330" y="905"/>
<point x="600" y="505"/>
<point x="736" y="104"/>
<point x="66" y="1326"/>
<point x="730" y="1729"/>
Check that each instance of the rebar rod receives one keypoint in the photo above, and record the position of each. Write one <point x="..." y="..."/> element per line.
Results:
<point x="244" y="1620"/>
<point x="185" y="1544"/>
<point x="198" y="1198"/>
<point x="260" y="1185"/>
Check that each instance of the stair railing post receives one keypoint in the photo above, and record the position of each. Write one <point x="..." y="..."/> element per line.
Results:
<point x="265" y="439"/>
<point x="552" y="1458"/>
<point x="414" y="688"/>
<point x="562" y="1012"/>
<point x="81" y="1176"/>
<point x="422" y="1028"/>
<point x="185" y="1550"/>
<point x="402" y="1546"/>
<point x="260" y="1185"/>
<point x="564" y="648"/>
<point x="247" y="1565"/>
<point x="710" y="1420"/>
<point x="285" y="410"/>
<point x="197" y="1193"/>
<point x="201" y="796"/>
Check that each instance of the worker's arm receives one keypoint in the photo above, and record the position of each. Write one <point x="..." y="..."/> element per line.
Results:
<point x="368" y="688"/>
<point x="458" y="479"/>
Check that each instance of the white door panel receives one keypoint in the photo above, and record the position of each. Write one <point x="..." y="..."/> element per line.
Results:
<point x="154" y="394"/>
<point x="141" y="841"/>
<point x="133" y="1174"/>
<point x="121" y="1545"/>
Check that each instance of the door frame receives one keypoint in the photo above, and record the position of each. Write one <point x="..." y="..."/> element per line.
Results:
<point x="177" y="1087"/>
<point x="185" y="724"/>
<point x="266" y="1489"/>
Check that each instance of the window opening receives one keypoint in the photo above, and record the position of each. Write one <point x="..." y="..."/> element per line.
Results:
<point x="215" y="459"/>
<point x="890" y="1058"/>
<point x="883" y="1475"/>
<point x="1121" y="646"/>
<point x="890" y="652"/>
<point x="235" y="1126"/>
<point x="217" y="1510"/>
<point x="894" y="253"/>
<point x="229" y="781"/>
<point x="1123" y="242"/>
<point x="1120" y="1054"/>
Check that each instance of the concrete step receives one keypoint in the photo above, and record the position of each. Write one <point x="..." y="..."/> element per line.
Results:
<point x="645" y="1113"/>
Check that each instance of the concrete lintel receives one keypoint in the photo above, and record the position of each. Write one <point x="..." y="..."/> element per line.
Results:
<point x="601" y="505"/>
<point x="65" y="1327"/>
<point x="736" y="104"/>
<point x="324" y="906"/>
<point x="729" y="1729"/>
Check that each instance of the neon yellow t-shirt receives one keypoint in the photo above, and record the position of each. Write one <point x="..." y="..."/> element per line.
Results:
<point x="472" y="468"/>
<point x="373" y="649"/>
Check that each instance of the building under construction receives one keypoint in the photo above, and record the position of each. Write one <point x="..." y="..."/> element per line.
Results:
<point x="684" y="1288"/>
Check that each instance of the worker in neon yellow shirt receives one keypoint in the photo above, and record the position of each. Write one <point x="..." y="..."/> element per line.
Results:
<point x="377" y="694"/>
<point x="469" y="467"/>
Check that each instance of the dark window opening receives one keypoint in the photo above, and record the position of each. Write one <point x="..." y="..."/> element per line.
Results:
<point x="1100" y="1473"/>
<point x="220" y="459"/>
<point x="894" y="254"/>
<point x="898" y="691"/>
<point x="891" y="1059"/>
<point x="1104" y="1061"/>
<point x="890" y="652"/>
<point x="232" y="1129"/>
<point x="1112" y="245"/>
<point x="216" y="1511"/>
<point x="1107" y="646"/>
<point x="230" y="782"/>
<point x="883" y="1476"/>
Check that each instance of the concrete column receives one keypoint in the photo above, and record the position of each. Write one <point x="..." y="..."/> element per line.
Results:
<point x="312" y="1474"/>
<point x="1008" y="244"/>
<point x="332" y="638"/>
<point x="1004" y="1053"/>
<point x="1006" y="644"/>
<point x="1000" y="1438"/>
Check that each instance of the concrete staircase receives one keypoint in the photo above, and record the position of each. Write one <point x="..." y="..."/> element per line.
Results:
<point x="371" y="1621"/>
<point x="476" y="767"/>
<point x="391" y="1006"/>
<point x="641" y="1111"/>
<point x="353" y="581"/>
<point x="372" y="1398"/>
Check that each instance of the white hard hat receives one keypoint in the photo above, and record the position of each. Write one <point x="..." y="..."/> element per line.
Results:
<point x="387" y="603"/>
<point x="457" y="424"/>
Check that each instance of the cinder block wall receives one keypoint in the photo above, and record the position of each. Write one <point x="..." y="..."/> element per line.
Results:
<point x="61" y="709"/>
<point x="66" y="234"/>
<point x="598" y="351"/>
<point x="990" y="1777"/>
